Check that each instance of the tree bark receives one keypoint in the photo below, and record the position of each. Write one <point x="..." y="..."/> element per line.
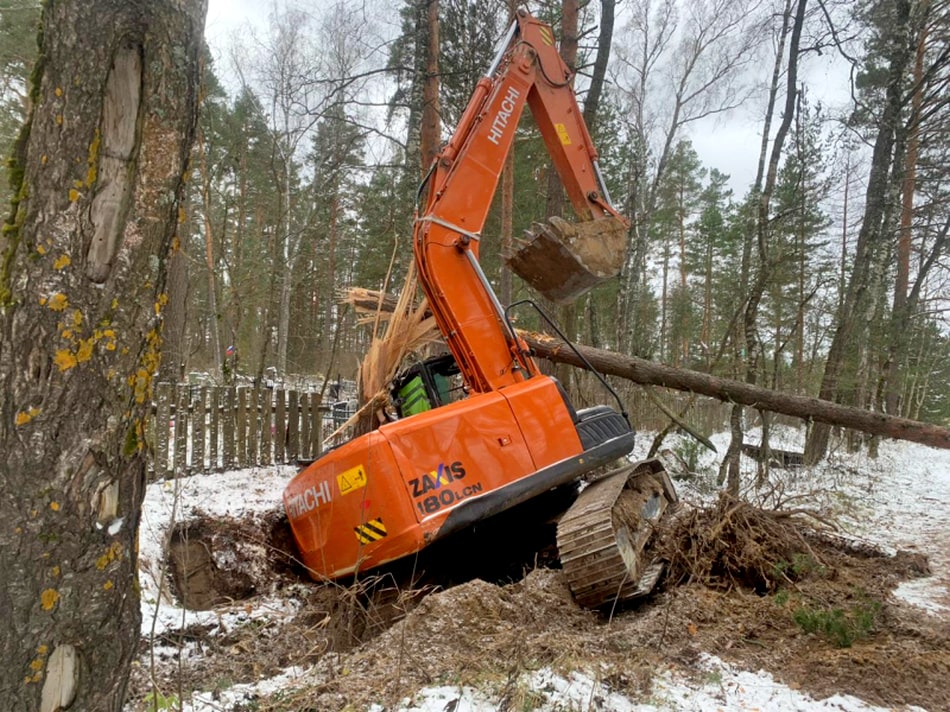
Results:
<point x="431" y="131"/>
<point x="82" y="286"/>
<point x="725" y="389"/>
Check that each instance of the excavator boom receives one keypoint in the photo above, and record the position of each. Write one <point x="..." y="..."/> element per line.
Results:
<point x="527" y="71"/>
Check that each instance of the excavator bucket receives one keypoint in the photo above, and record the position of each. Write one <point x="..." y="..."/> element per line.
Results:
<point x="563" y="260"/>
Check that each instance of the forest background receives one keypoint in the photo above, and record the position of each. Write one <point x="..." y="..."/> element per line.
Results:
<point x="826" y="275"/>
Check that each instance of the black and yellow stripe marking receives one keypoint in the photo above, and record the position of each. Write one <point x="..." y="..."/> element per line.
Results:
<point x="546" y="36"/>
<point x="371" y="531"/>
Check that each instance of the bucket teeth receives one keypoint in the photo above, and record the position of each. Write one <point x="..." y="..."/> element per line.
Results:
<point x="563" y="260"/>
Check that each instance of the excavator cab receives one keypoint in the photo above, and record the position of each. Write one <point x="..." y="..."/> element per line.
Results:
<point x="428" y="384"/>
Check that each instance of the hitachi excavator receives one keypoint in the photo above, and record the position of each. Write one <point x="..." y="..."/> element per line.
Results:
<point x="458" y="455"/>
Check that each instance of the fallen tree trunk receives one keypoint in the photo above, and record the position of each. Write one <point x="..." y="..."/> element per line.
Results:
<point x="649" y="373"/>
<point x="725" y="389"/>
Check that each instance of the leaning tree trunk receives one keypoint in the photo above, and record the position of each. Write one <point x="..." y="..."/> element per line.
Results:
<point x="99" y="171"/>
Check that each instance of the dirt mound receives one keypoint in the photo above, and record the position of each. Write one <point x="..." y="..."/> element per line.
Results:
<point x="476" y="633"/>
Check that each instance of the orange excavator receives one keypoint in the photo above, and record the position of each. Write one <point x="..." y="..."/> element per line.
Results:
<point x="481" y="430"/>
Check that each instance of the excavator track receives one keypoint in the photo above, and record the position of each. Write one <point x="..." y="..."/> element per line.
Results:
<point x="601" y="537"/>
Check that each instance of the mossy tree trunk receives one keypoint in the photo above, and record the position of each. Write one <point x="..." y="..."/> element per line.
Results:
<point x="99" y="173"/>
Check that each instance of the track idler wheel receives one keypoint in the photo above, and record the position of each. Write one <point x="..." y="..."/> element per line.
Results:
<point x="603" y="536"/>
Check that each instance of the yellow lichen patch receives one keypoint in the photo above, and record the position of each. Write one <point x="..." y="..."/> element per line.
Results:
<point x="67" y="333"/>
<point x="93" y="160"/>
<point x="107" y="585"/>
<point x="65" y="359"/>
<point x="49" y="598"/>
<point x="54" y="506"/>
<point x="25" y="416"/>
<point x="182" y="215"/>
<point x="107" y="558"/>
<point x="62" y="262"/>
<point x="160" y="302"/>
<point x="73" y="195"/>
<point x="36" y="664"/>
<point x="57" y="302"/>
<point x="58" y="91"/>
<point x="44" y="159"/>
<point x="84" y="352"/>
<point x="41" y="249"/>
<point x="140" y="384"/>
<point x="42" y="649"/>
<point x="59" y="119"/>
<point x="54" y="572"/>
<point x="77" y="317"/>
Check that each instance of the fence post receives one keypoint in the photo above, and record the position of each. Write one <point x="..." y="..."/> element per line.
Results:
<point x="280" y="426"/>
<point x="293" y="427"/>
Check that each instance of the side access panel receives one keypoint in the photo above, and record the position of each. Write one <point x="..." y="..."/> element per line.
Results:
<point x="348" y="510"/>
<point x="468" y="449"/>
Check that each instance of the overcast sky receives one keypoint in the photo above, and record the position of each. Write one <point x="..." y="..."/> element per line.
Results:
<point x="729" y="143"/>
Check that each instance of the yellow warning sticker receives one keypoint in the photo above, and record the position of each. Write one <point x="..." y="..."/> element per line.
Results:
<point x="371" y="531"/>
<point x="547" y="36"/>
<point x="351" y="480"/>
<point x="563" y="134"/>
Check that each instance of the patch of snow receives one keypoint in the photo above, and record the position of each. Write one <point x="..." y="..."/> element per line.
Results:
<point x="726" y="689"/>
<point x="240" y="694"/>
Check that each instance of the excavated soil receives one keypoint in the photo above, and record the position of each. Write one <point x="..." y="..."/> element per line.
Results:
<point x="762" y="590"/>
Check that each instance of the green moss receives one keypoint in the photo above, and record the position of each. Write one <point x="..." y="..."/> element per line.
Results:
<point x="16" y="169"/>
<point x="131" y="442"/>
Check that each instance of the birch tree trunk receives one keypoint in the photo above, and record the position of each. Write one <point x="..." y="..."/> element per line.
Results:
<point x="99" y="167"/>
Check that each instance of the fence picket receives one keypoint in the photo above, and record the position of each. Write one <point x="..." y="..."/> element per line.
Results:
<point x="240" y="455"/>
<point x="180" y="466"/>
<point x="198" y="431"/>
<point x="214" y="416"/>
<point x="280" y="426"/>
<point x="162" y="421"/>
<point x="293" y="427"/>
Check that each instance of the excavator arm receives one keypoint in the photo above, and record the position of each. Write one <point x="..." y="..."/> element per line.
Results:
<point x="527" y="70"/>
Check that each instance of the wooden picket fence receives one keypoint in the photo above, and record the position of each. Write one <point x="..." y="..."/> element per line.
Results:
<point x="211" y="429"/>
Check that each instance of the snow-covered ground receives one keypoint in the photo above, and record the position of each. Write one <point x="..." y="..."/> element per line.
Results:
<point x="901" y="500"/>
